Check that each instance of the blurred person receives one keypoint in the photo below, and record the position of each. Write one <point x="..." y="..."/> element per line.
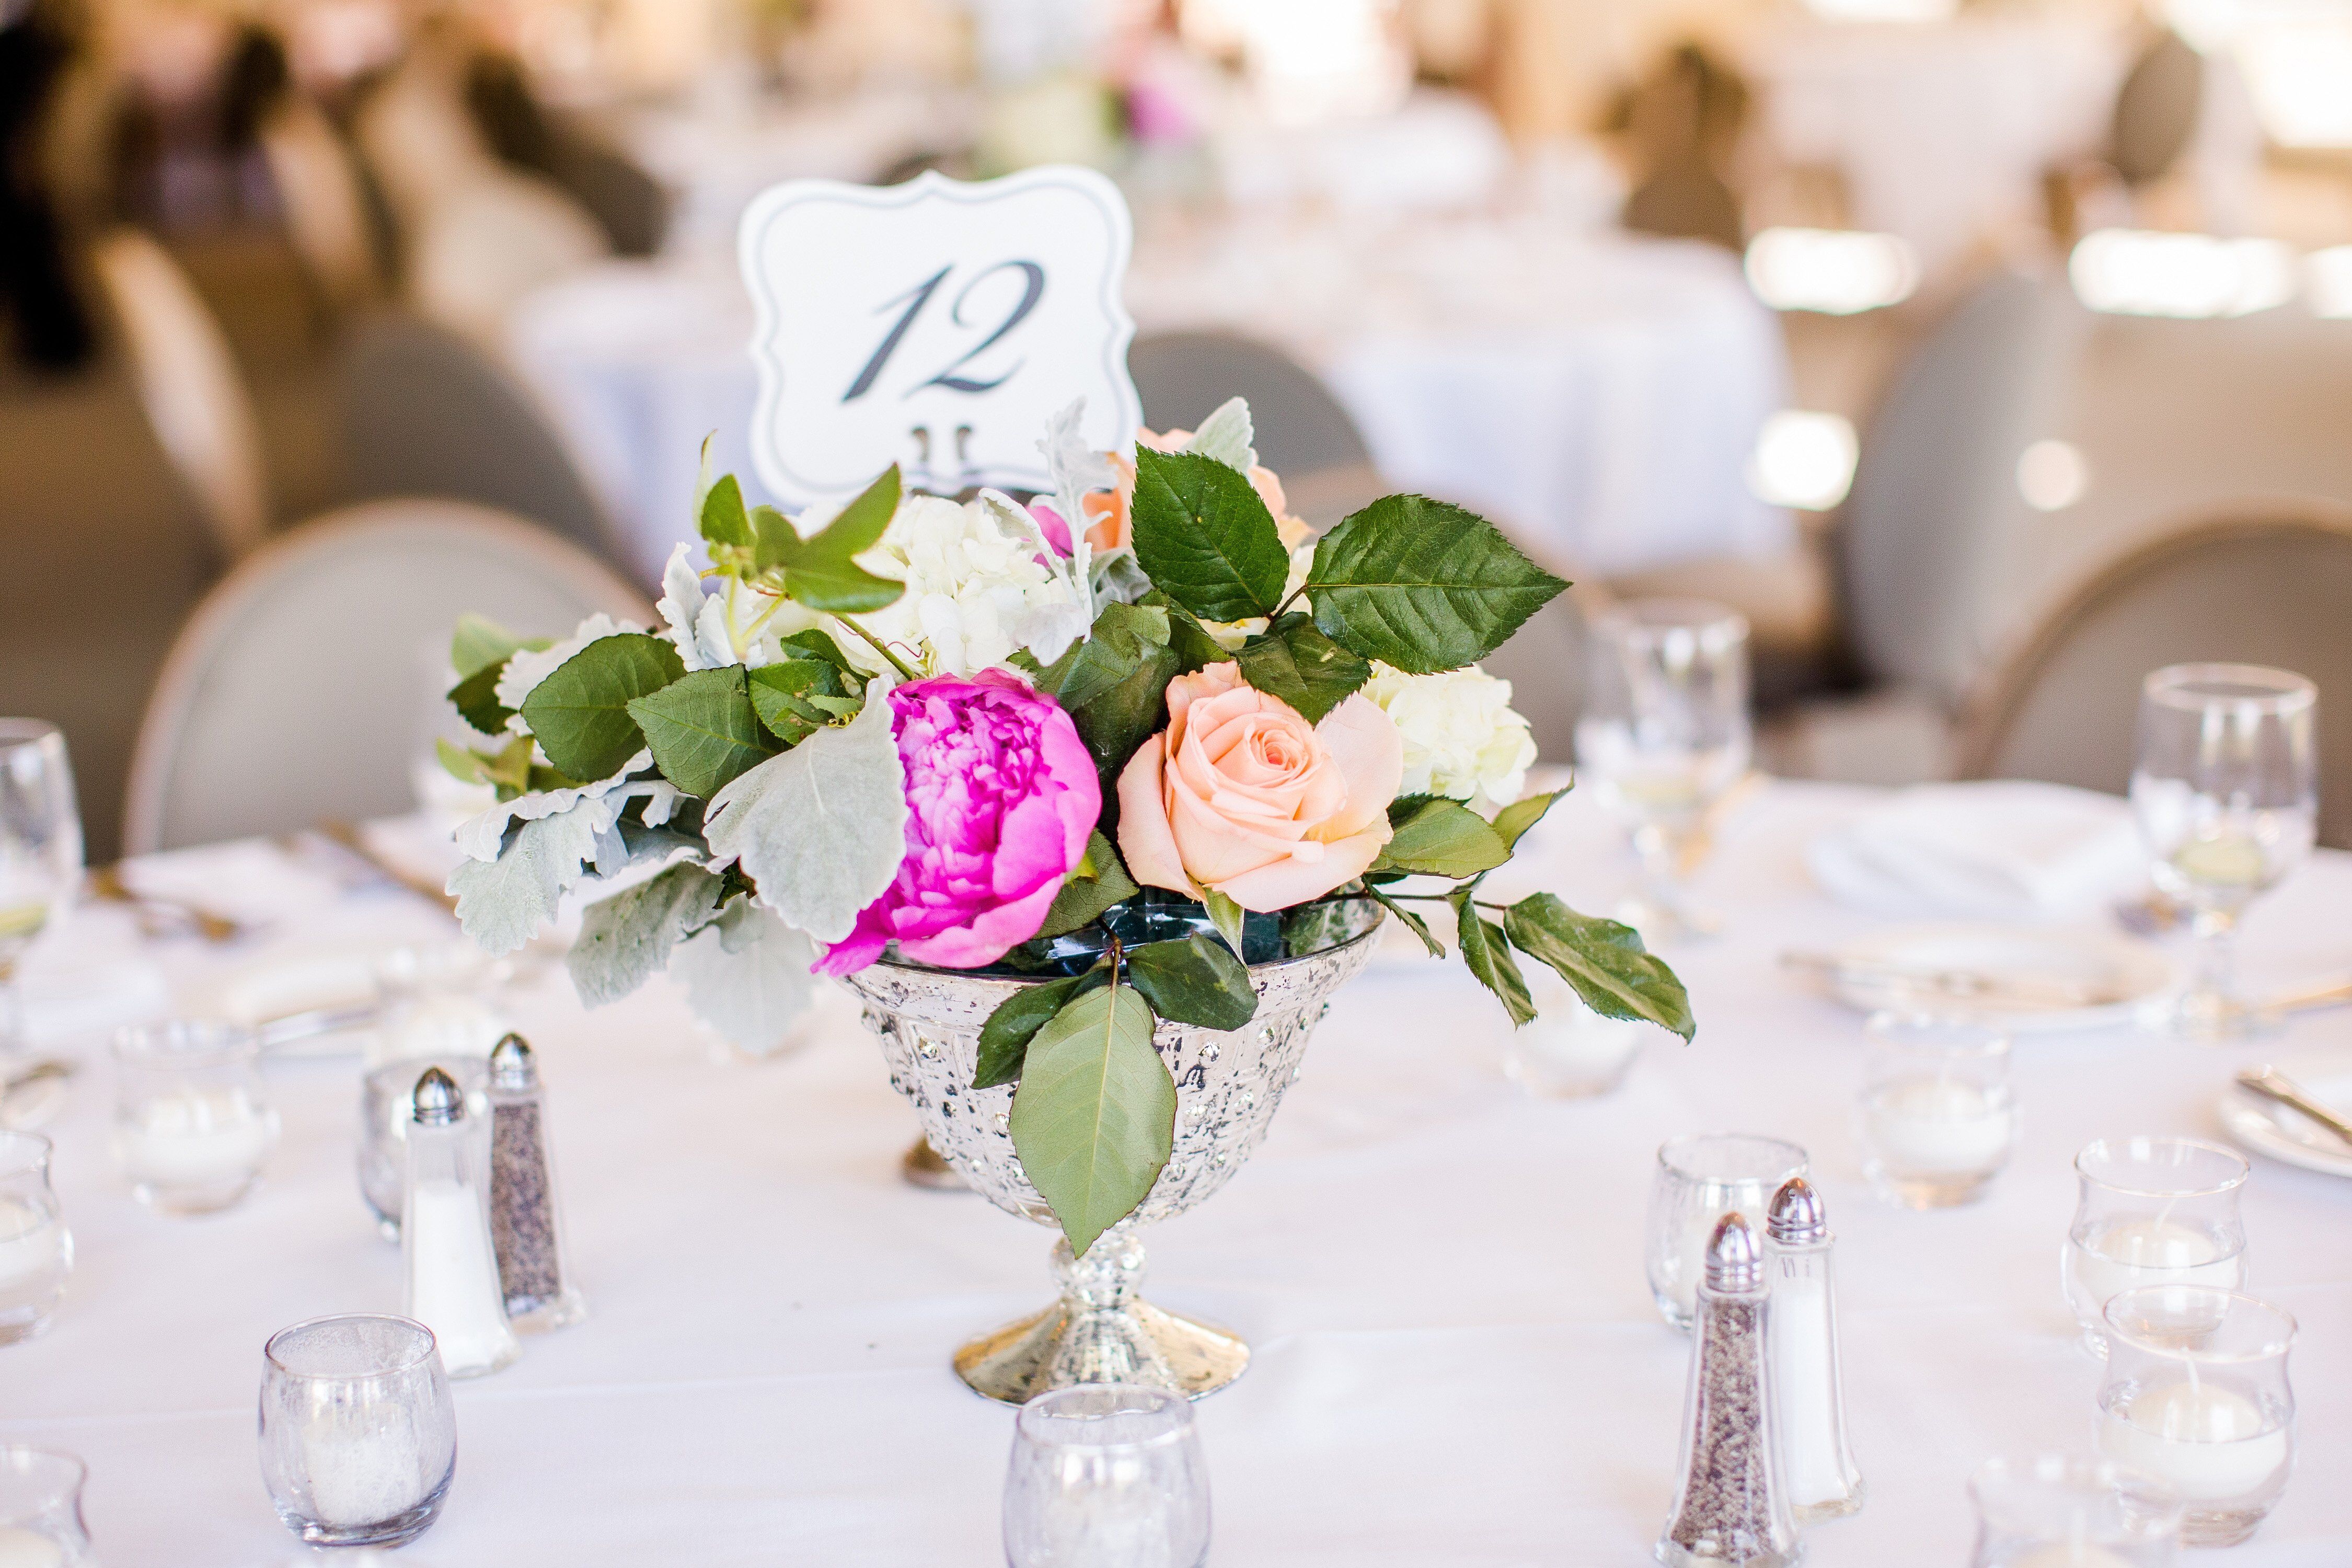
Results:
<point x="44" y="314"/>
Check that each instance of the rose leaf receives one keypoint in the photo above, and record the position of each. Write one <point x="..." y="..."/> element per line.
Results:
<point x="581" y="711"/>
<point x="1095" y="1117"/>
<point x="1423" y="584"/>
<point x="1194" y="979"/>
<point x="1605" y="961"/>
<point x="1204" y="538"/>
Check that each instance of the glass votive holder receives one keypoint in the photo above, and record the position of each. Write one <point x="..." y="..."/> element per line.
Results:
<point x="1936" y="1120"/>
<point x="1700" y="1179"/>
<point x="359" y="1437"/>
<point x="2151" y="1211"/>
<point x="193" y="1124"/>
<point x="2197" y="1396"/>
<point x="384" y="1113"/>
<point x="2057" y="1510"/>
<point x="1106" y="1473"/>
<point x="40" y="1509"/>
<point x="36" y="1248"/>
<point x="1568" y="1051"/>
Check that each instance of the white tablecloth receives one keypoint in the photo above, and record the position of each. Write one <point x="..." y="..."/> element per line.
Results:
<point x="1599" y="397"/>
<point x="1456" y="1360"/>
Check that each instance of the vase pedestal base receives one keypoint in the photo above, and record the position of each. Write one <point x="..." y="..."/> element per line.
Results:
<point x="1101" y="1332"/>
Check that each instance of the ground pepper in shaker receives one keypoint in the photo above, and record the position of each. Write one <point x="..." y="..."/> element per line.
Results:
<point x="525" y="1227"/>
<point x="453" y="1278"/>
<point x="1729" y="1508"/>
<point x="1801" y="1350"/>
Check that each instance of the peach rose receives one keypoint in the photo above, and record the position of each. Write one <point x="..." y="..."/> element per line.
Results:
<point x="1242" y="796"/>
<point x="1107" y="511"/>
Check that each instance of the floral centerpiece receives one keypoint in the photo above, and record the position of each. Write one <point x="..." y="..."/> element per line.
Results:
<point x="1133" y="745"/>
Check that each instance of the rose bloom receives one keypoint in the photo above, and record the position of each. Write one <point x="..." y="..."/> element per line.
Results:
<point x="1242" y="797"/>
<point x="1002" y="796"/>
<point x="1107" y="523"/>
<point x="1462" y="737"/>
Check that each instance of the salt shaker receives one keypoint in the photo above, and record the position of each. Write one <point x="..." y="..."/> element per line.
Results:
<point x="445" y="1236"/>
<point x="1801" y="1348"/>
<point x="1729" y="1505"/>
<point x="526" y="1229"/>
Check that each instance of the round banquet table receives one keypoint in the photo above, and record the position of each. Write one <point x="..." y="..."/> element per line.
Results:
<point x="1455" y="1357"/>
<point x="1597" y="396"/>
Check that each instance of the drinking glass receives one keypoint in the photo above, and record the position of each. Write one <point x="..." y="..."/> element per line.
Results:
<point x="2197" y="1396"/>
<point x="1936" y="1120"/>
<point x="2151" y="1211"/>
<point x="40" y="850"/>
<point x="2056" y="1510"/>
<point x="36" y="1248"/>
<point x="1700" y="1179"/>
<point x="1568" y="1051"/>
<point x="40" y="1509"/>
<point x="386" y="1106"/>
<point x="193" y="1124"/>
<point x="1664" y="735"/>
<point x="2226" y="791"/>
<point x="359" y="1438"/>
<point x="1106" y="1473"/>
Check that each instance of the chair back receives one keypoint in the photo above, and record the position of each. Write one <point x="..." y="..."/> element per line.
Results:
<point x="1182" y="377"/>
<point x="190" y="386"/>
<point x="304" y="688"/>
<point x="2156" y="109"/>
<point x="1937" y="481"/>
<point x="1686" y="200"/>
<point x="426" y="413"/>
<point x="2258" y="588"/>
<point x="326" y="208"/>
<point x="1545" y="662"/>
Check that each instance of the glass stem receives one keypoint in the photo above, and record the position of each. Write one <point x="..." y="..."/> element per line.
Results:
<point x="2216" y="981"/>
<point x="12" y="1010"/>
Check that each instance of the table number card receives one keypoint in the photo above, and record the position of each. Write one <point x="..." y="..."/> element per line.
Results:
<point x="937" y="324"/>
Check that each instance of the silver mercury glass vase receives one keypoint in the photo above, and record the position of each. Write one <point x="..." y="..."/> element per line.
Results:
<point x="1228" y="1082"/>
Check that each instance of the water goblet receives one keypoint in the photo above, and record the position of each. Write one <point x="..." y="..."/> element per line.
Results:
<point x="1700" y="1179"/>
<point x="1936" y="1120"/>
<point x="359" y="1436"/>
<point x="2197" y="1396"/>
<point x="2151" y="1211"/>
<point x="1105" y="1473"/>
<point x="2056" y="1510"/>
<point x="1664" y="736"/>
<point x="193" y="1123"/>
<point x="36" y="1248"/>
<point x="40" y="851"/>
<point x="40" y="1509"/>
<point x="2225" y="788"/>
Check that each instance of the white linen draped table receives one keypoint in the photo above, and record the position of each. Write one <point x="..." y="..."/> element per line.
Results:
<point x="1455" y="1356"/>
<point x="1599" y="396"/>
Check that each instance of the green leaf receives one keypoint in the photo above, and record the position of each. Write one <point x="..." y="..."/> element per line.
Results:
<point x="1004" y="1039"/>
<point x="858" y="526"/>
<point x="476" y="698"/>
<point x="1193" y="981"/>
<point x="1099" y="882"/>
<point x="1413" y="922"/>
<point x="702" y="730"/>
<point x="839" y="588"/>
<point x="1423" y="584"/>
<point x="817" y="645"/>
<point x="1114" y="686"/>
<point x="1122" y="637"/>
<point x="1226" y="916"/>
<point x="1293" y="660"/>
<point x="480" y="642"/>
<point x="1324" y="924"/>
<point x="1489" y="958"/>
<point x="795" y="698"/>
<point x="1186" y="634"/>
<point x="580" y="712"/>
<point x="626" y="940"/>
<point x="460" y="763"/>
<point x="724" y="521"/>
<point x="1440" y="837"/>
<point x="512" y="769"/>
<point x="1095" y="1117"/>
<point x="775" y="543"/>
<point x="1604" y="961"/>
<point x="1514" y="819"/>
<point x="1205" y="538"/>
<point x="819" y="572"/>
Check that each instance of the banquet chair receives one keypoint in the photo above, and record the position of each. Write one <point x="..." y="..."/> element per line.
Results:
<point x="308" y="683"/>
<point x="2266" y="585"/>
<point x="1545" y="663"/>
<point x="325" y="205"/>
<point x="1302" y="430"/>
<point x="426" y="413"/>
<point x="2156" y="110"/>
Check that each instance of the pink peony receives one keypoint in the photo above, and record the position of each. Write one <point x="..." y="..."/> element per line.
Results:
<point x="1002" y="796"/>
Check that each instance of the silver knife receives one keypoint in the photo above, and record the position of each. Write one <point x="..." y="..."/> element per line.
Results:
<point x="1961" y="984"/>
<point x="2272" y="1084"/>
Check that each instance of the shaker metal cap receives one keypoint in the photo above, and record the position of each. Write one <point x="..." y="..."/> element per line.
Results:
<point x="438" y="1101"/>
<point x="1735" y="1263"/>
<point x="514" y="1068"/>
<point x="1796" y="1216"/>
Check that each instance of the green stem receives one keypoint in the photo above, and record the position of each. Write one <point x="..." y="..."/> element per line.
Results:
<point x="1440" y="899"/>
<point x="879" y="647"/>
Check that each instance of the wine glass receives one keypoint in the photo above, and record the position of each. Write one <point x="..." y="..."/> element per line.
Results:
<point x="1665" y="735"/>
<point x="40" y="850"/>
<point x="2227" y="794"/>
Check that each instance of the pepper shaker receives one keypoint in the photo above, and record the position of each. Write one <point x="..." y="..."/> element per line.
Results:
<point x="445" y="1238"/>
<point x="1801" y="1350"/>
<point x="1729" y="1505"/>
<point x="526" y="1225"/>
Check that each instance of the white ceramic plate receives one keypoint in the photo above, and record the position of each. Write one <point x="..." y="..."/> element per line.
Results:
<point x="2269" y="1128"/>
<point x="2029" y="955"/>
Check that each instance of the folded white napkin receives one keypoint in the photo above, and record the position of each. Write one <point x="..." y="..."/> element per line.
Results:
<point x="2000" y="850"/>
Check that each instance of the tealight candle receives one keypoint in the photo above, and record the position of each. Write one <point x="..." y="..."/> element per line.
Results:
<point x="2206" y="1443"/>
<point x="1931" y="1127"/>
<point x="2152" y="1211"/>
<point x="1936" y="1120"/>
<point x="365" y="1470"/>
<point x="1568" y="1051"/>
<point x="202" y="1140"/>
<point x="2150" y="1252"/>
<point x="21" y="1548"/>
<point x="2073" y="1554"/>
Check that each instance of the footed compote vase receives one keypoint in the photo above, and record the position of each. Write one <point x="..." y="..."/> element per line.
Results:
<point x="1228" y="1082"/>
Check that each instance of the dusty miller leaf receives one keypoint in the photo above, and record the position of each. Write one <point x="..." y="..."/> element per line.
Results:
<point x="626" y="940"/>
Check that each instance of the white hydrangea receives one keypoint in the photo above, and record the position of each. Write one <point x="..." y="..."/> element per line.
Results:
<point x="981" y="581"/>
<point x="735" y="624"/>
<point x="1462" y="738"/>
